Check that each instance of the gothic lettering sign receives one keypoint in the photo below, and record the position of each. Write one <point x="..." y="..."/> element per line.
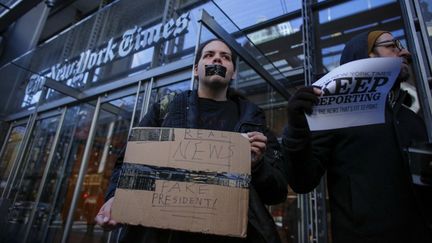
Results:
<point x="75" y="71"/>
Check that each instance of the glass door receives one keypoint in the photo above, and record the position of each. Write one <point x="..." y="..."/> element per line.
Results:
<point x="10" y="152"/>
<point x="23" y="193"/>
<point x="111" y="131"/>
<point x="8" y="156"/>
<point x="64" y="173"/>
<point x="51" y="196"/>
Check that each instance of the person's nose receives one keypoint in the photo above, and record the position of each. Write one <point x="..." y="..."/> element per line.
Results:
<point x="405" y="54"/>
<point x="217" y="59"/>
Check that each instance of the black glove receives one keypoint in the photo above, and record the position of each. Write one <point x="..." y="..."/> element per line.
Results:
<point x="299" y="104"/>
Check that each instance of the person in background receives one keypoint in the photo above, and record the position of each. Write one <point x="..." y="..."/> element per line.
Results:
<point x="214" y="106"/>
<point x="372" y="197"/>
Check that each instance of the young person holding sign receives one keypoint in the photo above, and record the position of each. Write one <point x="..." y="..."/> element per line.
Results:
<point x="214" y="106"/>
<point x="372" y="197"/>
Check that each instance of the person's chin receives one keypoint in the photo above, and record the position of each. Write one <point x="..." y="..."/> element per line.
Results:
<point x="217" y="83"/>
<point x="404" y="73"/>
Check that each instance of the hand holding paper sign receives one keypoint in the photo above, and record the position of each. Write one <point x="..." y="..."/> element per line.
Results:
<point x="354" y="94"/>
<point x="258" y="146"/>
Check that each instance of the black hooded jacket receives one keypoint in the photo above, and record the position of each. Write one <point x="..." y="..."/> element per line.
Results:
<point x="268" y="185"/>
<point x="372" y="198"/>
<point x="355" y="49"/>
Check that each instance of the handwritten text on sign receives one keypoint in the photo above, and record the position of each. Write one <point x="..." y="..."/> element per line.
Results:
<point x="205" y="146"/>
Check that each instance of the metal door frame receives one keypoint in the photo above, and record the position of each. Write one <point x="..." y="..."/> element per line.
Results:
<point x="5" y="142"/>
<point x="45" y="174"/>
<point x="414" y="29"/>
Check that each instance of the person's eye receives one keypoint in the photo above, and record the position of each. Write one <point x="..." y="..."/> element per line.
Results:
<point x="226" y="57"/>
<point x="207" y="55"/>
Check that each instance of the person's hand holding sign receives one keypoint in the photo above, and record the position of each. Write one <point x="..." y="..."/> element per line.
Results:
<point x="300" y="103"/>
<point x="258" y="143"/>
<point x="103" y="218"/>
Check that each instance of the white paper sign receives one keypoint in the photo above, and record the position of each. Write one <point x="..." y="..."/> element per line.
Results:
<point x="354" y="94"/>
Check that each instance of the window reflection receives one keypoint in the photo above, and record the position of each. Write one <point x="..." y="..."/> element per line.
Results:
<point x="426" y="11"/>
<point x="26" y="185"/>
<point x="111" y="135"/>
<point x="258" y="91"/>
<point x="250" y="14"/>
<point x="10" y="153"/>
<point x="285" y="216"/>
<point x="44" y="225"/>
<point x="349" y="8"/>
<point x="67" y="161"/>
<point x="143" y="57"/>
<point x="339" y="23"/>
<point x="282" y="46"/>
<point x="276" y="31"/>
<point x="159" y="92"/>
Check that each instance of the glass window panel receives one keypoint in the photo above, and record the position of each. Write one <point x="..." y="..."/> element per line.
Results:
<point x="281" y="44"/>
<point x="68" y="159"/>
<point x="66" y="60"/>
<point x="93" y="34"/>
<point x="426" y="11"/>
<point x="344" y="21"/>
<point x="350" y="8"/>
<point x="237" y="19"/>
<point x="251" y="14"/>
<point x="26" y="185"/>
<point x="7" y="5"/>
<point x="63" y="58"/>
<point x="29" y="175"/>
<point x="159" y="92"/>
<point x="10" y="3"/>
<point x="276" y="65"/>
<point x="25" y="92"/>
<point x="52" y="95"/>
<point x="111" y="135"/>
<point x="93" y="51"/>
<point x="49" y="220"/>
<point x="285" y="216"/>
<point x="255" y="89"/>
<point x="10" y="153"/>
<point x="261" y="93"/>
<point x="143" y="57"/>
<point x="3" y="11"/>
<point x="175" y="87"/>
<point x="140" y="104"/>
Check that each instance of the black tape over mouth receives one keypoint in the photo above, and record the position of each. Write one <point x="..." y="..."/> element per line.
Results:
<point x="215" y="69"/>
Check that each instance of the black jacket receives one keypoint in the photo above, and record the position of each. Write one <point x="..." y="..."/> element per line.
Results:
<point x="268" y="185"/>
<point x="372" y="197"/>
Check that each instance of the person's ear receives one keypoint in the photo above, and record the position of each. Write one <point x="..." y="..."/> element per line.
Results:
<point x="234" y="76"/>
<point x="196" y="70"/>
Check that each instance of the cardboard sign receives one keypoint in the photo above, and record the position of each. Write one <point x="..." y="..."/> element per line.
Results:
<point x="185" y="179"/>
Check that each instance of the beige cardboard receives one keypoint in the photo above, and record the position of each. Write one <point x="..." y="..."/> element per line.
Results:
<point x="186" y="205"/>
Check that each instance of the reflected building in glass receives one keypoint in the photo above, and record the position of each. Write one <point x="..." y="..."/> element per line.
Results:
<point x="83" y="73"/>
